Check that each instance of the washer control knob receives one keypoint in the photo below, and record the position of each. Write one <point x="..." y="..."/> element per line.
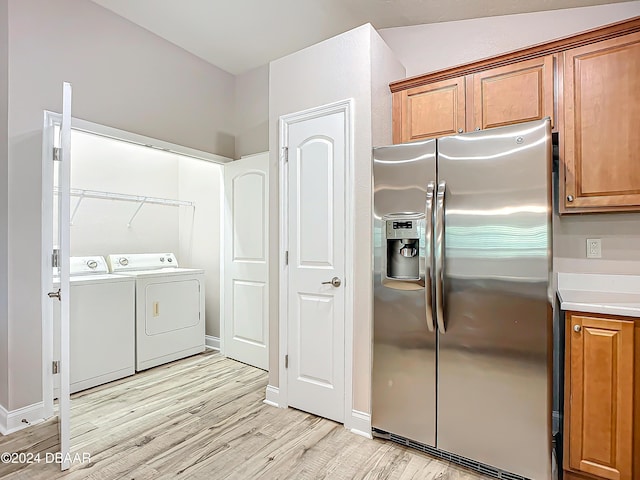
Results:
<point x="169" y="259"/>
<point x="92" y="264"/>
<point x="124" y="261"/>
<point x="162" y="259"/>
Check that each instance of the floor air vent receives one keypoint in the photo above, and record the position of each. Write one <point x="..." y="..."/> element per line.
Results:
<point x="457" y="459"/>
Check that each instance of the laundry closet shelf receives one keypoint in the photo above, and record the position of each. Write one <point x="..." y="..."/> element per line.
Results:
<point x="139" y="199"/>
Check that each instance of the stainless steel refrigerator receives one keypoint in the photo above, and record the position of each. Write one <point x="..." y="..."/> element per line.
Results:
<point x="462" y="309"/>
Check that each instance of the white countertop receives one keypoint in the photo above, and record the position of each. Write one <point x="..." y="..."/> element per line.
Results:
<point x="598" y="293"/>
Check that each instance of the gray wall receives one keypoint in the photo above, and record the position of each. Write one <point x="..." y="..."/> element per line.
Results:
<point x="336" y="69"/>
<point x="431" y="47"/>
<point x="620" y="234"/>
<point x="123" y="76"/>
<point x="252" y="111"/>
<point x="4" y="173"/>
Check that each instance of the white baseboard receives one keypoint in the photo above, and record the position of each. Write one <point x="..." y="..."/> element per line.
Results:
<point x="14" y="420"/>
<point x="360" y="423"/>
<point x="212" y="342"/>
<point x="272" y="396"/>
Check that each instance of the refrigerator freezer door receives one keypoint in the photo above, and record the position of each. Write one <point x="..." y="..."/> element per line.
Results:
<point x="404" y="350"/>
<point x="494" y="397"/>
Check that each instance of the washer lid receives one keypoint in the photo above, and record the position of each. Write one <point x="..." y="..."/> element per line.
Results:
<point x="127" y="262"/>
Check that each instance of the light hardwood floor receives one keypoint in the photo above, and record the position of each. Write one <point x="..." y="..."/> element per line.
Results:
<point x="204" y="418"/>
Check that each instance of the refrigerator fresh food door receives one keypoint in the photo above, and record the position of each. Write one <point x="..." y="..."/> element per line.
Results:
<point x="404" y="351"/>
<point x="494" y="397"/>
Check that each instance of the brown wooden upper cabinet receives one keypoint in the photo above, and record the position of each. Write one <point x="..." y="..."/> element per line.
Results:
<point x="516" y="93"/>
<point x="500" y="96"/>
<point x="433" y="110"/>
<point x="593" y="99"/>
<point x="600" y="134"/>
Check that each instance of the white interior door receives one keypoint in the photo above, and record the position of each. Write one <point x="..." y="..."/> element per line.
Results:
<point x="316" y="245"/>
<point x="64" y="234"/>
<point x="246" y="260"/>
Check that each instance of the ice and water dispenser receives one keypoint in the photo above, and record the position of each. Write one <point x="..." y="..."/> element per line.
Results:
<point x="403" y="266"/>
<point x="403" y="249"/>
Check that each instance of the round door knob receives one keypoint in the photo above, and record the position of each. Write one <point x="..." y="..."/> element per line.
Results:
<point x="335" y="281"/>
<point x="460" y="130"/>
<point x="577" y="328"/>
<point x="569" y="198"/>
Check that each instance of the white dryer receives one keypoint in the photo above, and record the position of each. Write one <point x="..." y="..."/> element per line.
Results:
<point x="101" y="325"/>
<point x="169" y="307"/>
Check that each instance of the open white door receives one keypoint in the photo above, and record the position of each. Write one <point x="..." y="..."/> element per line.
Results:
<point x="63" y="294"/>
<point x="246" y="260"/>
<point x="315" y="185"/>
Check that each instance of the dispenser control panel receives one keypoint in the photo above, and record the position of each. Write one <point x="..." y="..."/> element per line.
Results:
<point x="402" y="229"/>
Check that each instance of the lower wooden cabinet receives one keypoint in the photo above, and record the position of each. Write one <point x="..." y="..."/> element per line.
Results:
<point x="600" y="391"/>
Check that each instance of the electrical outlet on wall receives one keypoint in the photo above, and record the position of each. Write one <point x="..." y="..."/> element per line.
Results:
<point x="594" y="248"/>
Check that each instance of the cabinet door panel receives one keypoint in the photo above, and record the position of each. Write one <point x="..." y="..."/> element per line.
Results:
<point x="433" y="110"/>
<point x="601" y="396"/>
<point x="602" y="121"/>
<point x="516" y="93"/>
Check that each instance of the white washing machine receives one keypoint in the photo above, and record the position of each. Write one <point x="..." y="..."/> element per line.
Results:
<point x="169" y="306"/>
<point x="101" y="325"/>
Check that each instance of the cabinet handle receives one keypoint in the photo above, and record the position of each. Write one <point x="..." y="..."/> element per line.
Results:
<point x="570" y="198"/>
<point x="577" y="328"/>
<point x="459" y="130"/>
<point x="477" y="129"/>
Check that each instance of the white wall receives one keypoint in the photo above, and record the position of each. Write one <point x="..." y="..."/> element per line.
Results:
<point x="431" y="47"/>
<point x="252" y="111"/>
<point x="333" y="70"/>
<point x="199" y="241"/>
<point x="100" y="226"/>
<point x="123" y="76"/>
<point x="4" y="105"/>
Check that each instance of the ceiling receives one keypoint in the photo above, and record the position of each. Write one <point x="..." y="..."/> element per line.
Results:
<point x="239" y="35"/>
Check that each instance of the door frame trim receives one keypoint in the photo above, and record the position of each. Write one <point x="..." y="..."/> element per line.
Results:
<point x="346" y="107"/>
<point x="50" y="119"/>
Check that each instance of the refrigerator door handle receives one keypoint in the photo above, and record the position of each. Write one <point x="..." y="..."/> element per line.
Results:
<point x="428" y="261"/>
<point x="439" y="255"/>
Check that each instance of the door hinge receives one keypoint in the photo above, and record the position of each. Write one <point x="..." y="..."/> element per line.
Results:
<point x="55" y="258"/>
<point x="286" y="257"/>
<point x="286" y="361"/>
<point x="57" y="154"/>
<point x="55" y="367"/>
<point x="285" y="153"/>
